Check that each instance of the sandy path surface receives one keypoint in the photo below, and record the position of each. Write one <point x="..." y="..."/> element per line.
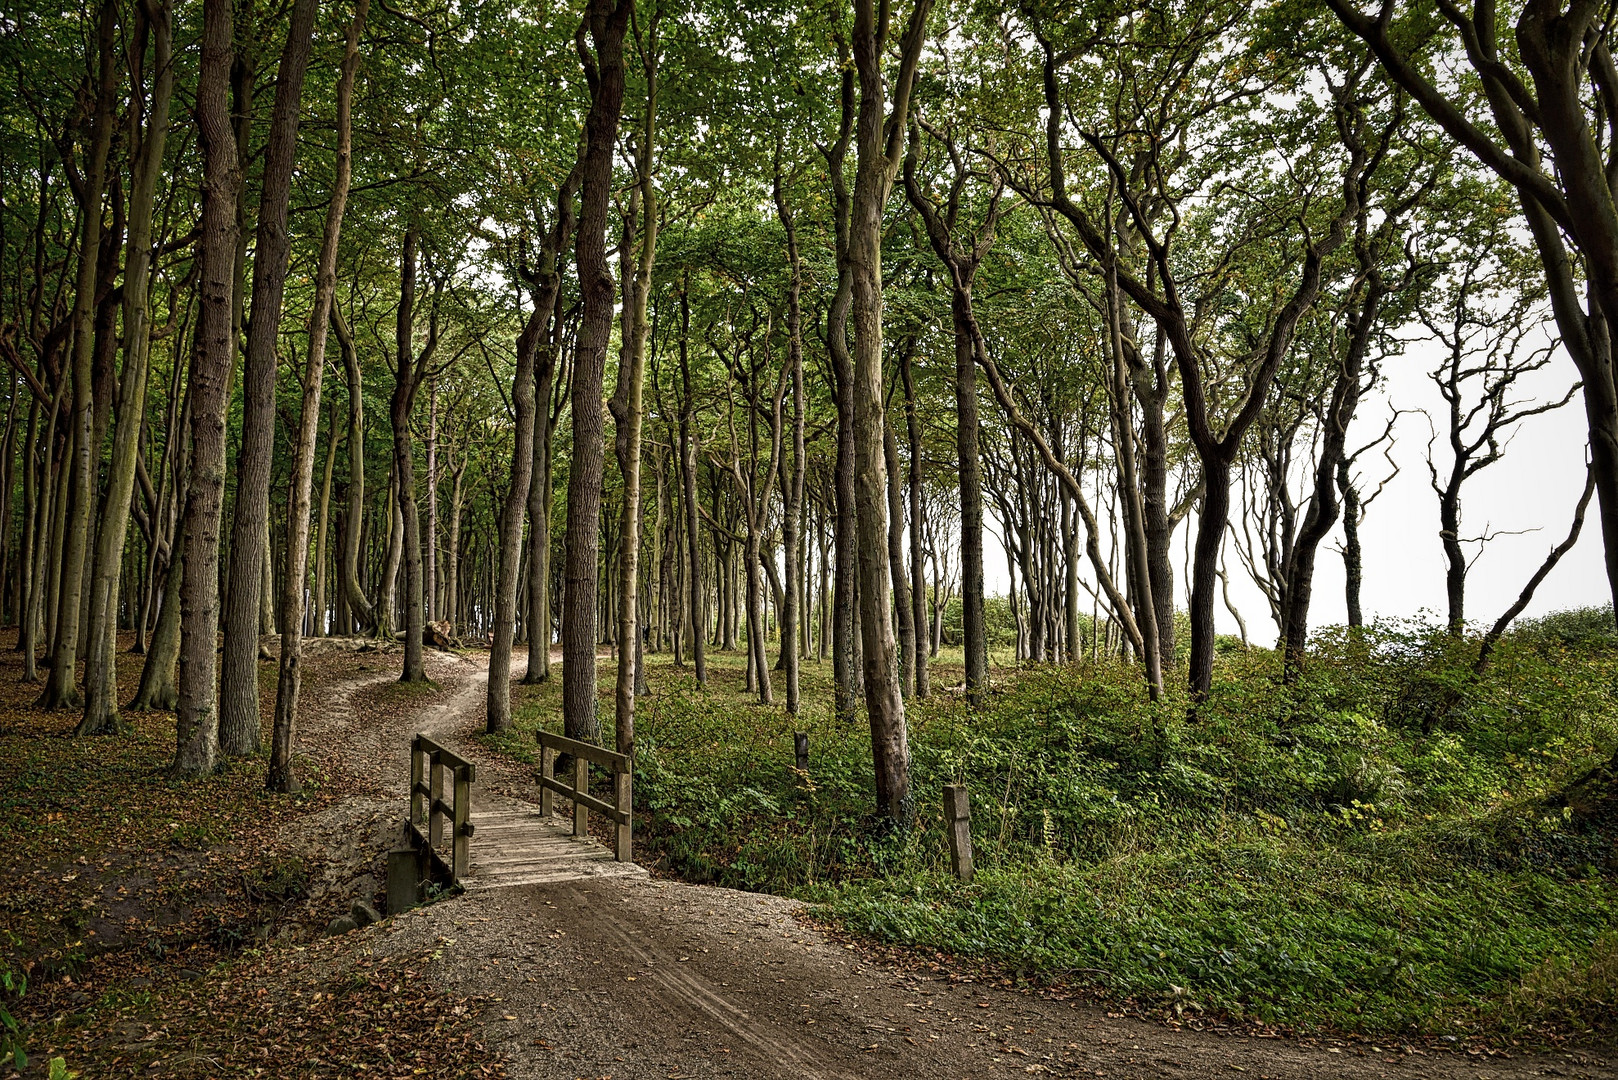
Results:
<point x="634" y="977"/>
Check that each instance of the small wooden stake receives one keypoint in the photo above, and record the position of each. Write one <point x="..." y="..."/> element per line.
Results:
<point x="623" y="783"/>
<point x="404" y="879"/>
<point x="800" y="747"/>
<point x="581" y="784"/>
<point x="958" y="824"/>
<point x="547" y="769"/>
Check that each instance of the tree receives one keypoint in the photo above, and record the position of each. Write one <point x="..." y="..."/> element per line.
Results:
<point x="238" y="697"/>
<point x="626" y="402"/>
<point x="879" y="140"/>
<point x="602" y="56"/>
<point x="61" y="688"/>
<point x="1488" y="326"/>
<point x="101" y="681"/>
<point x="1547" y="79"/>
<point x="289" y="677"/>
<point x="545" y="284"/>
<point x="196" y="713"/>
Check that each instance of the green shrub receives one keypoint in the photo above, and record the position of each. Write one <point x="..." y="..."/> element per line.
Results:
<point x="1384" y="845"/>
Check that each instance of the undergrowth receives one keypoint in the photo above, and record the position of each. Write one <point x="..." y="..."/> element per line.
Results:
<point x="1386" y="846"/>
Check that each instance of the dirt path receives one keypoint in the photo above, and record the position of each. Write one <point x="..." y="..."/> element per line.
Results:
<point x="631" y="977"/>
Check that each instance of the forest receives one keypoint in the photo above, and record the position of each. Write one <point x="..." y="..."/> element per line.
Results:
<point x="936" y="379"/>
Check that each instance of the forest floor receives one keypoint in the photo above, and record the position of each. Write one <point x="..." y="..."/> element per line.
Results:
<point x="175" y="930"/>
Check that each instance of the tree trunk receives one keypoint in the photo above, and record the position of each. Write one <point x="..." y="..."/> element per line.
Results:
<point x="498" y="695"/>
<point x="289" y="675"/>
<point x="536" y="354"/>
<point x="61" y="688"/>
<point x="606" y="22"/>
<point x="1323" y="504"/>
<point x="239" y="733"/>
<point x="429" y="550"/>
<point x="539" y="523"/>
<point x="903" y="607"/>
<point x="33" y="511"/>
<point x="626" y="404"/>
<point x="101" y="678"/>
<point x="323" y="530"/>
<point x="962" y="264"/>
<point x="388" y="584"/>
<point x="452" y="557"/>
<point x="878" y="145"/>
<point x="918" y="571"/>
<point x="157" y="689"/>
<point x="1137" y="547"/>
<point x="348" y="571"/>
<point x="792" y="521"/>
<point x="688" y="478"/>
<point x="196" y="715"/>
<point x="407" y="378"/>
<point x="1353" y="559"/>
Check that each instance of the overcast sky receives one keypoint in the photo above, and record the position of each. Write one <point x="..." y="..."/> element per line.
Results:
<point x="1535" y="486"/>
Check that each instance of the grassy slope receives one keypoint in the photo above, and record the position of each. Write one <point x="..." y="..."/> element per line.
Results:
<point x="1373" y="851"/>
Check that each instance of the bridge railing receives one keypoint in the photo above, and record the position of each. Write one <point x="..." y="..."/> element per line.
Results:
<point x="429" y="762"/>
<point x="584" y="754"/>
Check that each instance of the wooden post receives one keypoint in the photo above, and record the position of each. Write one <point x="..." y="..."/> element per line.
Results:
<point x="958" y="824"/>
<point x="461" y="834"/>
<point x="435" y="816"/>
<point x="622" y="784"/>
<point x="547" y="769"/>
<point x="416" y="761"/>
<point x="581" y="784"/>
<point x="800" y="748"/>
<point x="404" y="879"/>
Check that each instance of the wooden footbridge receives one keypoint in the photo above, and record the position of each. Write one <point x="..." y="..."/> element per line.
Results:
<point x="515" y="843"/>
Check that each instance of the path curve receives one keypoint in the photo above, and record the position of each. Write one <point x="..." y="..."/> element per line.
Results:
<point x="638" y="978"/>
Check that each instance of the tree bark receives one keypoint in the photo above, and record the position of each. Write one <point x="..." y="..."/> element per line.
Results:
<point x="348" y="570"/>
<point x="61" y="687"/>
<point x="101" y="678"/>
<point x="878" y="143"/>
<point x="845" y="669"/>
<point x="918" y="570"/>
<point x="605" y="22"/>
<point x="792" y="521"/>
<point x="688" y="478"/>
<point x="962" y="263"/>
<point x="903" y="607"/>
<point x="323" y="526"/>
<point x="626" y="403"/>
<point x="497" y="699"/>
<point x="239" y="733"/>
<point x="429" y="550"/>
<point x="196" y="714"/>
<point x="289" y="674"/>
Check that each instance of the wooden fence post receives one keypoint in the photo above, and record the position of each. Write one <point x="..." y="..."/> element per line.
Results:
<point x="404" y="879"/>
<point x="581" y="784"/>
<point x="800" y="749"/>
<point x="958" y="824"/>
<point x="547" y="769"/>
<point x="623" y="782"/>
<point x="416" y="770"/>
<point x="435" y="816"/>
<point x="461" y="827"/>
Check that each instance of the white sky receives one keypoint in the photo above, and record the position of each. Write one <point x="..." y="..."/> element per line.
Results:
<point x="1534" y="486"/>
